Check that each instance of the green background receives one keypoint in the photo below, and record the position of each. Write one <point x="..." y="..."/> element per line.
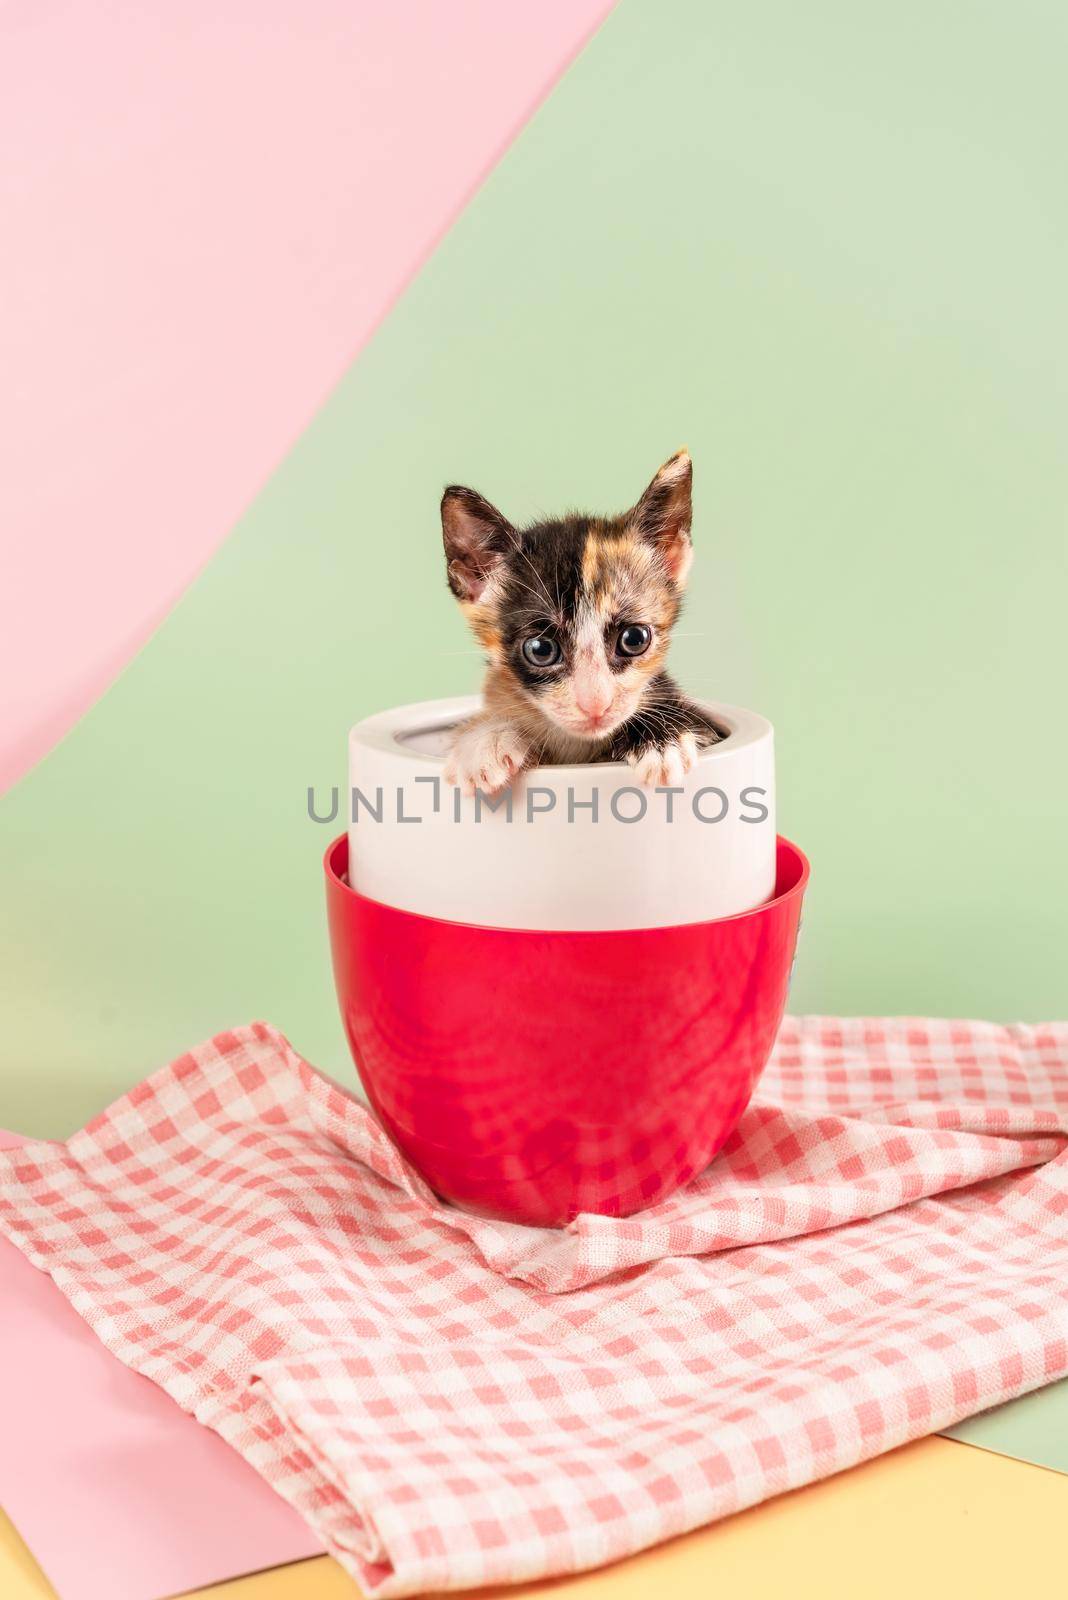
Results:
<point x="1033" y="1428"/>
<point x="825" y="247"/>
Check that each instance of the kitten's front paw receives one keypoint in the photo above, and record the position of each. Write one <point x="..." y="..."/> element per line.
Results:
<point x="487" y="757"/>
<point x="665" y="766"/>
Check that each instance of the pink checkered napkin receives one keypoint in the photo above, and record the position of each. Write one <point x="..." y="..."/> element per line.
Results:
<point x="881" y="1250"/>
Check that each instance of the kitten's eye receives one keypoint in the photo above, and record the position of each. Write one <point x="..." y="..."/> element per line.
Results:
<point x="634" y="640"/>
<point x="541" y="652"/>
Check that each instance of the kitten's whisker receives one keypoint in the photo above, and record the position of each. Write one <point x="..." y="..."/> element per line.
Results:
<point x="521" y="553"/>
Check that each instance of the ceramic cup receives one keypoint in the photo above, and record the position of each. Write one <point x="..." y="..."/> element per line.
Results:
<point x="569" y="847"/>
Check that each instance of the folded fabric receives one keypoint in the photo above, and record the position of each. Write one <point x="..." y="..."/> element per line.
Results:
<point x="881" y="1249"/>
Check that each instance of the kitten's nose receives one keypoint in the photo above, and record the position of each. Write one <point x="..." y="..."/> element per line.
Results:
<point x="594" y="701"/>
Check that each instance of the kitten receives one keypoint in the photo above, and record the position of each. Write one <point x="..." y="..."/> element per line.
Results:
<point x="575" y="617"/>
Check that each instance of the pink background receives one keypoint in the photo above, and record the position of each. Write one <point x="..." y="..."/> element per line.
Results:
<point x="207" y="208"/>
<point x="104" y="1476"/>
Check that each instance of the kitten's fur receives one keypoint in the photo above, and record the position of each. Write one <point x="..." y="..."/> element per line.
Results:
<point x="582" y="591"/>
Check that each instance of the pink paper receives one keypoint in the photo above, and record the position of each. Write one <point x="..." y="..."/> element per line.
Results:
<point x="207" y="209"/>
<point x="118" y="1494"/>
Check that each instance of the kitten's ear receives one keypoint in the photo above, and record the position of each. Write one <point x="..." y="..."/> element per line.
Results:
<point x="476" y="536"/>
<point x="664" y="512"/>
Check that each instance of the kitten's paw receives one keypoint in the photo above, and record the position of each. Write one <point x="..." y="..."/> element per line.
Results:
<point x="665" y="766"/>
<point x="487" y="757"/>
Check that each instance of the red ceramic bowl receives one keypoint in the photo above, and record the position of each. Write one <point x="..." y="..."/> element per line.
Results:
<point x="534" y="1075"/>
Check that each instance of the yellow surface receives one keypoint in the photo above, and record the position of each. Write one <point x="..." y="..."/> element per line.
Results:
<point x="933" y="1521"/>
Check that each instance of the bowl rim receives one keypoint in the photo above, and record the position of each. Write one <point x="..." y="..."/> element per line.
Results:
<point x="336" y="860"/>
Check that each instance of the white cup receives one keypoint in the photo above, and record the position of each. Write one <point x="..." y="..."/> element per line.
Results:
<point x="573" y="847"/>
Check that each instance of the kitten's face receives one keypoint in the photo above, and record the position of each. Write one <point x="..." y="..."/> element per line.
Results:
<point x="576" y="613"/>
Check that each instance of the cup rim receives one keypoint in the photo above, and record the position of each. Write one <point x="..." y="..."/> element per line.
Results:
<point x="335" y="867"/>
<point x="385" y="732"/>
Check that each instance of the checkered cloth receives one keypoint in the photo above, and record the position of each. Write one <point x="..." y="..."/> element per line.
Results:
<point x="881" y="1250"/>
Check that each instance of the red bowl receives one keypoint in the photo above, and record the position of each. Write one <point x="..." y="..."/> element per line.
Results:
<point x="533" y="1075"/>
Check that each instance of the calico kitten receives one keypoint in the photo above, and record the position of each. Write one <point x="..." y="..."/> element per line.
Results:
<point x="575" y="616"/>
